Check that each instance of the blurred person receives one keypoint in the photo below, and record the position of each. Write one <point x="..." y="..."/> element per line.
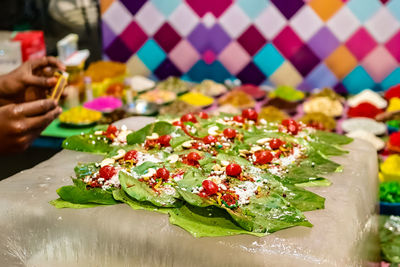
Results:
<point x="24" y="110"/>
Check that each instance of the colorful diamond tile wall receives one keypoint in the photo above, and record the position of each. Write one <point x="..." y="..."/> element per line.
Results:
<point x="348" y="45"/>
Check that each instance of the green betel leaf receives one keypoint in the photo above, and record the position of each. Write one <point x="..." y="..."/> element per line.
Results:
<point x="319" y="182"/>
<point x="160" y="127"/>
<point x="309" y="169"/>
<point x="142" y="168"/>
<point x="142" y="192"/>
<point x="194" y="199"/>
<point x="192" y="178"/>
<point x="60" y="204"/>
<point x="327" y="149"/>
<point x="210" y="221"/>
<point x="120" y="195"/>
<point x="79" y="194"/>
<point x="302" y="199"/>
<point x="177" y="141"/>
<point x="234" y="159"/>
<point x="390" y="238"/>
<point x="332" y="138"/>
<point x="87" y="143"/>
<point x="85" y="169"/>
<point x="253" y="137"/>
<point x="268" y="214"/>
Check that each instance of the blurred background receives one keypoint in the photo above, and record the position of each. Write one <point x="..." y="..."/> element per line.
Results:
<point x="56" y="19"/>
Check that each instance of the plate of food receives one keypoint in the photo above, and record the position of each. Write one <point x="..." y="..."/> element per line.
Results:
<point x="237" y="98"/>
<point x="178" y="107"/>
<point x="210" y="88"/>
<point x="255" y="91"/>
<point x="105" y="104"/>
<point x="157" y="96"/>
<point x="79" y="117"/>
<point x="197" y="99"/>
<point x="175" y="85"/>
<point x="140" y="84"/>
<point x="142" y="107"/>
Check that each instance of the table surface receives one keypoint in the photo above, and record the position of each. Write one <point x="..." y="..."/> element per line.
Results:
<point x="34" y="233"/>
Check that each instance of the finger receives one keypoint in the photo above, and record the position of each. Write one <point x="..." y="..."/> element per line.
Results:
<point x="40" y="81"/>
<point x="34" y="108"/>
<point x="39" y="123"/>
<point x="46" y="71"/>
<point x="46" y="61"/>
<point x="56" y="63"/>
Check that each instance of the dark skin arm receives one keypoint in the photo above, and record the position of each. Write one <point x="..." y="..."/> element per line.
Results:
<point x="33" y="80"/>
<point x="22" y="123"/>
<point x="24" y="111"/>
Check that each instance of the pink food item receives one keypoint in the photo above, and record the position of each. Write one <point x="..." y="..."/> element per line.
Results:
<point x="255" y="91"/>
<point x="104" y="104"/>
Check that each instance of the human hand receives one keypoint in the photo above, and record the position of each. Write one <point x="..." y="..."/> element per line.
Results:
<point x="31" y="81"/>
<point x="22" y="123"/>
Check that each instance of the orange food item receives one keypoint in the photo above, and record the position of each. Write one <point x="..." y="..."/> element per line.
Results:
<point x="116" y="90"/>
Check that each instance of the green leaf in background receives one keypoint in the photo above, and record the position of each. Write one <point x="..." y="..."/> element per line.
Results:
<point x="210" y="221"/>
<point x="331" y="138"/>
<point x="60" y="204"/>
<point x="120" y="195"/>
<point x="79" y="194"/>
<point x="160" y="127"/>
<point x="389" y="233"/>
<point x="389" y="192"/>
<point x="141" y="192"/>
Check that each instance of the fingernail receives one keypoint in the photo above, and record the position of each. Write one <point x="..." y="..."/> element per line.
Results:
<point x="59" y="109"/>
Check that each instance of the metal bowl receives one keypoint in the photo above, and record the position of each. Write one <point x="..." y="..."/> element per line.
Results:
<point x="142" y="107"/>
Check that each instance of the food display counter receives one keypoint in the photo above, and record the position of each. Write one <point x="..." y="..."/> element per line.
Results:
<point x="34" y="233"/>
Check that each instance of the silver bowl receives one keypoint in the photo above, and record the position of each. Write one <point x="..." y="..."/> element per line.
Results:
<point x="142" y="107"/>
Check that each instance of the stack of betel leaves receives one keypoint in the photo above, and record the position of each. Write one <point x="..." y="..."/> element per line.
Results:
<point x="214" y="176"/>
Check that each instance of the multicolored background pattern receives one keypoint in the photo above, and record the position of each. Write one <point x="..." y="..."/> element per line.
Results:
<point x="347" y="45"/>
